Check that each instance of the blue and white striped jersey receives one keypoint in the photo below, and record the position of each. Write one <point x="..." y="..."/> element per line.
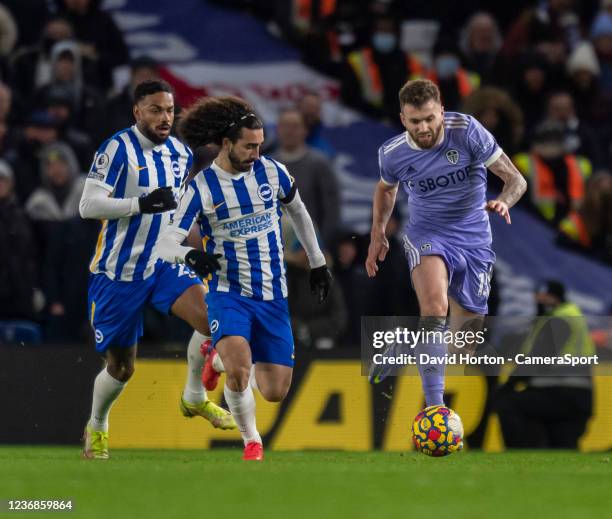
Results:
<point x="130" y="165"/>
<point x="239" y="217"/>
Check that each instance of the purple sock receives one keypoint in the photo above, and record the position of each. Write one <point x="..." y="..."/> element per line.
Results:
<point x="432" y="375"/>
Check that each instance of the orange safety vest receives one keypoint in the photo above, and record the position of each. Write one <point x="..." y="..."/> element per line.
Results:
<point x="466" y="81"/>
<point x="302" y="12"/>
<point x="542" y="184"/>
<point x="368" y="73"/>
<point x="573" y="227"/>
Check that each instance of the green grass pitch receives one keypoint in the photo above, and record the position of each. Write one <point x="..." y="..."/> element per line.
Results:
<point x="218" y="484"/>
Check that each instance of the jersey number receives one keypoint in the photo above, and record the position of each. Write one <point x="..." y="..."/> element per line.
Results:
<point x="184" y="271"/>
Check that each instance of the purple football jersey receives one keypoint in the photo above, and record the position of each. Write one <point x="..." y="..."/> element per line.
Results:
<point x="446" y="184"/>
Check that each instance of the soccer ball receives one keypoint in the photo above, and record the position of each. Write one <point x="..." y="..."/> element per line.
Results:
<point x="437" y="431"/>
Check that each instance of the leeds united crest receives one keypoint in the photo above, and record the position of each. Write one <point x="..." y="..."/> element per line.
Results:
<point x="452" y="156"/>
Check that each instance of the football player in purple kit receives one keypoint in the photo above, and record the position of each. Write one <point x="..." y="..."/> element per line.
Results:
<point x="441" y="162"/>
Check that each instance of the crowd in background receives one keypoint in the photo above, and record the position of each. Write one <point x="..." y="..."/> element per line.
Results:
<point x="537" y="74"/>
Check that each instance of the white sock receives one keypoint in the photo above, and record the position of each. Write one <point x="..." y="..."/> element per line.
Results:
<point x="252" y="379"/>
<point x="242" y="407"/>
<point x="105" y="392"/>
<point x="217" y="364"/>
<point x="194" y="391"/>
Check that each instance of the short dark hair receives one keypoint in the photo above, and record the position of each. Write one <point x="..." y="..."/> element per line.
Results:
<point x="150" y="87"/>
<point x="554" y="288"/>
<point x="211" y="119"/>
<point x="418" y="92"/>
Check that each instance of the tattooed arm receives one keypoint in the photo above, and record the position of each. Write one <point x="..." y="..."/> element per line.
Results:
<point x="514" y="187"/>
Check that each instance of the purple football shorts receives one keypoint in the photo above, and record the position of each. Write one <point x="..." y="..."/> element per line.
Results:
<point x="469" y="270"/>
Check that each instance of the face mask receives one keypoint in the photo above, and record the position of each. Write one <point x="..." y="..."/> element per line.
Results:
<point x="346" y="39"/>
<point x="384" y="41"/>
<point x="446" y="67"/>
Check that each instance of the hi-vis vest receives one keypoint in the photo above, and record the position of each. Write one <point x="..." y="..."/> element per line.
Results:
<point x="303" y="15"/>
<point x="467" y="82"/>
<point x="574" y="228"/>
<point x="542" y="180"/>
<point x="579" y="342"/>
<point x="368" y="73"/>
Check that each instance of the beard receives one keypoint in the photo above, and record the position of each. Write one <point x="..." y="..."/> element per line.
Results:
<point x="238" y="165"/>
<point x="416" y="137"/>
<point x="150" y="134"/>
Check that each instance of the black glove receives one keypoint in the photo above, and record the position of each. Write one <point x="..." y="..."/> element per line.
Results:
<point x="320" y="282"/>
<point x="158" y="201"/>
<point x="202" y="263"/>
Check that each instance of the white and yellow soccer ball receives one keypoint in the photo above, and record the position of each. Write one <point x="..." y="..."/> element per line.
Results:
<point x="437" y="431"/>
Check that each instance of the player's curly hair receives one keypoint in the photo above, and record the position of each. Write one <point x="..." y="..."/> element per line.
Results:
<point x="418" y="92"/>
<point x="210" y="119"/>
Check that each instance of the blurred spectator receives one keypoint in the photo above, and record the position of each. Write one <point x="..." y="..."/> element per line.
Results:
<point x="454" y="81"/>
<point x="555" y="177"/>
<point x="311" y="105"/>
<point x="549" y="20"/>
<point x="314" y="325"/>
<point x="325" y="32"/>
<point x="58" y="197"/>
<point x="8" y="38"/>
<point x="480" y="43"/>
<point x="65" y="241"/>
<point x="601" y="36"/>
<point x="99" y="37"/>
<point x="60" y="109"/>
<point x="350" y="275"/>
<point x="580" y="138"/>
<point x="118" y="112"/>
<point x="391" y="292"/>
<point x="31" y="66"/>
<point x="17" y="253"/>
<point x="30" y="16"/>
<point x="531" y="88"/>
<point x="315" y="178"/>
<point x="374" y="74"/>
<point x="589" y="228"/>
<point x="40" y="130"/>
<point x="583" y="71"/>
<point x="5" y="101"/>
<point x="499" y="114"/>
<point x="553" y="409"/>
<point x="65" y="277"/>
<point x="67" y="83"/>
<point x="7" y="134"/>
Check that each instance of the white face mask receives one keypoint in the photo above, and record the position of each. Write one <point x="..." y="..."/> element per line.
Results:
<point x="384" y="42"/>
<point x="446" y="66"/>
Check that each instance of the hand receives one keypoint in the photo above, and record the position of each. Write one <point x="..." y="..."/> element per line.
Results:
<point x="202" y="263"/>
<point x="321" y="281"/>
<point x="157" y="201"/>
<point x="499" y="207"/>
<point x="379" y="246"/>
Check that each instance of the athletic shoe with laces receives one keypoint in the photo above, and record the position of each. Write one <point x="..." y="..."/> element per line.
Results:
<point x="210" y="376"/>
<point x="95" y="444"/>
<point x="219" y="417"/>
<point x="253" y="451"/>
